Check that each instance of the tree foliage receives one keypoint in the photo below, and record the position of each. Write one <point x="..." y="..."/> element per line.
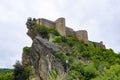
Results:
<point x="20" y="73"/>
<point x="86" y="61"/>
<point x="26" y="50"/>
<point x="45" y="31"/>
<point x="6" y="76"/>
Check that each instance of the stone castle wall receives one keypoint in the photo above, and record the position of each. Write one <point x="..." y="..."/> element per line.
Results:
<point x="59" y="24"/>
<point x="70" y="31"/>
<point x="46" y="22"/>
<point x="82" y="35"/>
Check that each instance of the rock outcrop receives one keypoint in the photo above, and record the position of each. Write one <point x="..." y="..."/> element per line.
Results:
<point x="26" y="59"/>
<point x="43" y="59"/>
<point x="41" y="56"/>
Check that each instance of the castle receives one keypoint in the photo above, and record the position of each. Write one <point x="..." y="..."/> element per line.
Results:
<point x="59" y="24"/>
<point x="61" y="27"/>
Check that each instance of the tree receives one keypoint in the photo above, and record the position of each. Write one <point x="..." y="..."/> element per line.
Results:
<point x="19" y="72"/>
<point x="110" y="74"/>
<point x="6" y="76"/>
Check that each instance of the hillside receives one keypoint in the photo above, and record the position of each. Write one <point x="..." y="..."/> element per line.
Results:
<point x="57" y="57"/>
<point x="5" y="70"/>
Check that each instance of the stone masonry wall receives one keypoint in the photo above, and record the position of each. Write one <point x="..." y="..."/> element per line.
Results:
<point x="46" y="22"/>
<point x="82" y="35"/>
<point x="59" y="24"/>
<point x="70" y="32"/>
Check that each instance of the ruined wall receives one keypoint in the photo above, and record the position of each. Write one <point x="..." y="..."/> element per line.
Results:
<point x="70" y="31"/>
<point x="60" y="26"/>
<point x="100" y="45"/>
<point x="46" y="22"/>
<point x="82" y="35"/>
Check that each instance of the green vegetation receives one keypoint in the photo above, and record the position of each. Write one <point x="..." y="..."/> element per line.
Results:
<point x="53" y="75"/>
<point x="26" y="50"/>
<point x="6" y="76"/>
<point x="5" y="70"/>
<point x="86" y="62"/>
<point x="113" y="73"/>
<point x="20" y="72"/>
<point x="44" y="31"/>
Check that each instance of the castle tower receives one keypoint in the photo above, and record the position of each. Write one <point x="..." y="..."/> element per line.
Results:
<point x="60" y="26"/>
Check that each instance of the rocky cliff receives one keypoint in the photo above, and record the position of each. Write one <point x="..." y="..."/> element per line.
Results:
<point x="43" y="59"/>
<point x="42" y="52"/>
<point x="41" y="55"/>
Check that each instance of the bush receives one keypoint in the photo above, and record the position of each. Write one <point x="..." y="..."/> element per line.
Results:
<point x="110" y="74"/>
<point x="53" y="31"/>
<point x="44" y="31"/>
<point x="89" y="72"/>
<point x="19" y="72"/>
<point x="26" y="50"/>
<point x="6" y="76"/>
<point x="70" y="41"/>
<point x="57" y="39"/>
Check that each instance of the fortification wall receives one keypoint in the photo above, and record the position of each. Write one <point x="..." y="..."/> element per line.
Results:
<point x="82" y="35"/>
<point x="46" y="22"/>
<point x="60" y="26"/>
<point x="70" y="31"/>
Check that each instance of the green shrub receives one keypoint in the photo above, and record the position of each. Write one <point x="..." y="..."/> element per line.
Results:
<point x="7" y="76"/>
<point x="26" y="50"/>
<point x="53" y="31"/>
<point x="20" y="73"/>
<point x="70" y="41"/>
<point x="44" y="31"/>
<point x="61" y="55"/>
<point x="110" y="74"/>
<point x="57" y="39"/>
<point x="89" y="72"/>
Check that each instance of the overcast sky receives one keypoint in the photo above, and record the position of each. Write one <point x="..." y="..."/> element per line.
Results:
<point x="101" y="18"/>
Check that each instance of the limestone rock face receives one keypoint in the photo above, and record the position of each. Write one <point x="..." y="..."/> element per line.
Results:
<point x="31" y="33"/>
<point x="42" y="51"/>
<point x="43" y="59"/>
<point x="26" y="61"/>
